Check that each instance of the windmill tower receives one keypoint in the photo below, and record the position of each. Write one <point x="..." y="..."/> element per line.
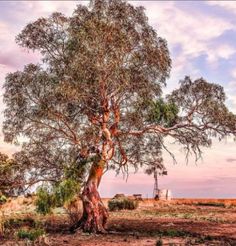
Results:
<point x="156" y="185"/>
<point x="155" y="190"/>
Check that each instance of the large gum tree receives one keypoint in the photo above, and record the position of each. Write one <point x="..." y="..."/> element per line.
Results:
<point x="97" y="92"/>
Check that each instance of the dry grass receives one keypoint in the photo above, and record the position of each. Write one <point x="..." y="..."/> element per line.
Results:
<point x="180" y="221"/>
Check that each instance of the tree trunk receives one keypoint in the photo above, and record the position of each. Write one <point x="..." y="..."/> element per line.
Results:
<point x="95" y="214"/>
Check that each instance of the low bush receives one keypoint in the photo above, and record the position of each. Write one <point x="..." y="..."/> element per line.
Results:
<point x="3" y="199"/>
<point x="44" y="201"/>
<point x="56" y="197"/>
<point x="32" y="235"/>
<point x="122" y="203"/>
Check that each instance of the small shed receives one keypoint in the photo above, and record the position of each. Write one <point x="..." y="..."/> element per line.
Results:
<point x="137" y="196"/>
<point x="119" y="196"/>
<point x="163" y="194"/>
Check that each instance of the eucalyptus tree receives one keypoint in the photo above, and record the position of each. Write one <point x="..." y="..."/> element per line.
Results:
<point x="98" y="92"/>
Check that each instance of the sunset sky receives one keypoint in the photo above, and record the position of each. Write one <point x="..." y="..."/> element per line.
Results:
<point x="202" y="40"/>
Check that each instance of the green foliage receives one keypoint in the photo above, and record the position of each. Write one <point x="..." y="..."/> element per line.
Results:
<point x="44" y="201"/>
<point x="61" y="193"/>
<point x="3" y="199"/>
<point x="65" y="191"/>
<point x="162" y="112"/>
<point x="14" y="224"/>
<point x="76" y="170"/>
<point x="122" y="203"/>
<point x="32" y="235"/>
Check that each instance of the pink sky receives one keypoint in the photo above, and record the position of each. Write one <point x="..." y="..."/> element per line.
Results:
<point x="201" y="38"/>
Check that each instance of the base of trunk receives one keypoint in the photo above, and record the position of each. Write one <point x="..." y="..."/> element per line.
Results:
<point x="95" y="214"/>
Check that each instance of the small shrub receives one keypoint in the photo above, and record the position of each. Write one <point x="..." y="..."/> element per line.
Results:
<point x="65" y="191"/>
<point x="44" y="201"/>
<point x="3" y="199"/>
<point x="32" y="235"/>
<point x="60" y="193"/>
<point x="120" y="204"/>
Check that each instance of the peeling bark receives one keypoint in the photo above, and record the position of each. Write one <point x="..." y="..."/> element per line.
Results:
<point x="95" y="214"/>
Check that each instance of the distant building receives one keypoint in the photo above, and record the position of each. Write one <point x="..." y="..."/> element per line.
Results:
<point x="138" y="196"/>
<point x="120" y="195"/>
<point x="163" y="194"/>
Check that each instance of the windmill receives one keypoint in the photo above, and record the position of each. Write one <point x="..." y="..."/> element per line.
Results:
<point x="156" y="187"/>
<point x="156" y="168"/>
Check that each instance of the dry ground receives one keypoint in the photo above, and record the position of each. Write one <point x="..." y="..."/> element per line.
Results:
<point x="178" y="222"/>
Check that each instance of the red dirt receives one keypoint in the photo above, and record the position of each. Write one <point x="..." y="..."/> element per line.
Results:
<point x="197" y="225"/>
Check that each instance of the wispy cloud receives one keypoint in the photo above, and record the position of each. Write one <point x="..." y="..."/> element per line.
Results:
<point x="226" y="5"/>
<point x="231" y="159"/>
<point x="195" y="33"/>
<point x="194" y="36"/>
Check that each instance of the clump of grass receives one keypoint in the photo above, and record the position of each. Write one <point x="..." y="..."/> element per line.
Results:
<point x="9" y="225"/>
<point x="18" y="222"/>
<point x="213" y="219"/>
<point x="187" y="216"/>
<point x="169" y="214"/>
<point x="122" y="203"/>
<point x="174" y="233"/>
<point x="3" y="199"/>
<point x="171" y="233"/>
<point x="32" y="235"/>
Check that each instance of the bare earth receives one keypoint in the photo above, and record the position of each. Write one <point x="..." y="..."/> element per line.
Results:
<point x="178" y="222"/>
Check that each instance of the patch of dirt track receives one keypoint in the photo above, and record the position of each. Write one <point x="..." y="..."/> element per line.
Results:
<point x="151" y="226"/>
<point x="143" y="232"/>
